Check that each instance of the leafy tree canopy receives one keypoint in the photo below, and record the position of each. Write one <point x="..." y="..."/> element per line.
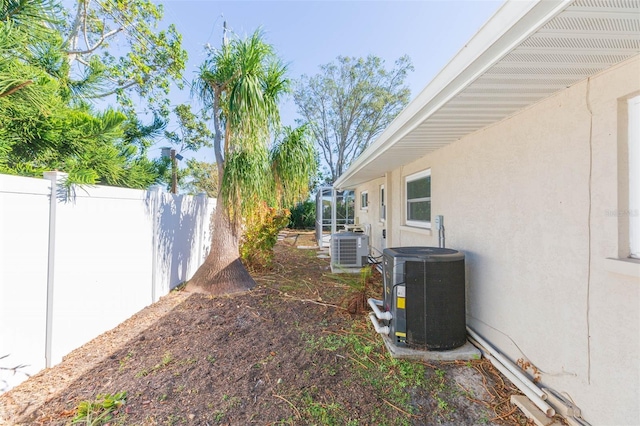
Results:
<point x="349" y="103"/>
<point x="53" y="62"/>
<point x="143" y="62"/>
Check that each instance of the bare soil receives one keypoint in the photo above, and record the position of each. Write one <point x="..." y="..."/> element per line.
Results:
<point x="283" y="353"/>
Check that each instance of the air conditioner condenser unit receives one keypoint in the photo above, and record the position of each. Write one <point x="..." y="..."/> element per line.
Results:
<point x="349" y="252"/>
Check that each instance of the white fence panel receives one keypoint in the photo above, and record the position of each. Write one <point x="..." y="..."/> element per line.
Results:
<point x="180" y="233"/>
<point x="103" y="261"/>
<point x="105" y="253"/>
<point x="24" y="239"/>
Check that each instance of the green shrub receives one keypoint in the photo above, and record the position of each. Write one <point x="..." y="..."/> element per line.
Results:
<point x="261" y="235"/>
<point x="303" y="215"/>
<point x="100" y="411"/>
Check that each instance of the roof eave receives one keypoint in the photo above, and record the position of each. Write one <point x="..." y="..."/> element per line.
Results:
<point x="505" y="30"/>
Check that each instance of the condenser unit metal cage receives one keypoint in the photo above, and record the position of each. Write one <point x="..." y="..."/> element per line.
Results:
<point x="349" y="251"/>
<point x="424" y="290"/>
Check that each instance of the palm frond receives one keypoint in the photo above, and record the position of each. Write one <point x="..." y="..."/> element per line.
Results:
<point x="293" y="162"/>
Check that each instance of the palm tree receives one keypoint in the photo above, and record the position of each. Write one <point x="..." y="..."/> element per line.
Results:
<point x="242" y="83"/>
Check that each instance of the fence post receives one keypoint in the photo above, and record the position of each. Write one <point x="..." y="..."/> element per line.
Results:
<point x="57" y="179"/>
<point x="155" y="193"/>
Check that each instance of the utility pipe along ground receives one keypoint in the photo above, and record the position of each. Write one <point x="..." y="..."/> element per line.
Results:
<point x="507" y="368"/>
<point x="508" y="364"/>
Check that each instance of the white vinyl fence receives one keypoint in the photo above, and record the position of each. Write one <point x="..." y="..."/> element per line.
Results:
<point x="78" y="263"/>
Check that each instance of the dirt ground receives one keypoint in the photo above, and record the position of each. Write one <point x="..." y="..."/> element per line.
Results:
<point x="287" y="352"/>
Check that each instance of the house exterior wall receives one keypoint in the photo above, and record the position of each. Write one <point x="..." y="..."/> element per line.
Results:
<point x="371" y="215"/>
<point x="536" y="202"/>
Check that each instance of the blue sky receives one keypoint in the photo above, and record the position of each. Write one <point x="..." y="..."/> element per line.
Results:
<point x="307" y="34"/>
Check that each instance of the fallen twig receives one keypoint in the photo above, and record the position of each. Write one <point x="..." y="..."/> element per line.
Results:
<point x="330" y="305"/>
<point x="503" y="416"/>
<point x="352" y="358"/>
<point x="298" y="415"/>
<point x="400" y="409"/>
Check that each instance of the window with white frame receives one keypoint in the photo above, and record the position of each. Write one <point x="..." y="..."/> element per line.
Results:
<point x="418" y="196"/>
<point x="634" y="177"/>
<point x="364" y="200"/>
<point x="383" y="205"/>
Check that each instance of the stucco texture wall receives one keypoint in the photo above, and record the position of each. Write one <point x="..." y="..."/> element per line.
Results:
<point x="371" y="216"/>
<point x="529" y="201"/>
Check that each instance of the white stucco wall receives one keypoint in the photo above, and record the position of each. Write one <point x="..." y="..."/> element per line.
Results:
<point x="530" y="202"/>
<point x="371" y="215"/>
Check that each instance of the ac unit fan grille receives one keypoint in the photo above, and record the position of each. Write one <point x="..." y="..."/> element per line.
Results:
<point x="347" y="251"/>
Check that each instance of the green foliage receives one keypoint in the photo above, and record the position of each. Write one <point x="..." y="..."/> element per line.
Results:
<point x="360" y="97"/>
<point x="261" y="235"/>
<point x="198" y="177"/>
<point x="319" y="413"/>
<point x="146" y="61"/>
<point x="390" y="377"/>
<point x="241" y="83"/>
<point x="246" y="181"/>
<point x="303" y="215"/>
<point x="293" y="163"/>
<point x="100" y="411"/>
<point x="45" y="120"/>
<point x="192" y="132"/>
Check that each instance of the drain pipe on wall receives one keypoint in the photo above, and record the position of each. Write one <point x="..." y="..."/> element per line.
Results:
<point x="440" y="228"/>
<point x="506" y="367"/>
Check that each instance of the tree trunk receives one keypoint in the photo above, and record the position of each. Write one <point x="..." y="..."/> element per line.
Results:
<point x="222" y="272"/>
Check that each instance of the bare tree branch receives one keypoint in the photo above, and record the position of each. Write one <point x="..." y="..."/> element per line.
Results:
<point x="124" y="86"/>
<point x="14" y="90"/>
<point x="98" y="43"/>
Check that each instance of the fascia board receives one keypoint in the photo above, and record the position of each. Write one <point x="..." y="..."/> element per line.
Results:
<point x="505" y="30"/>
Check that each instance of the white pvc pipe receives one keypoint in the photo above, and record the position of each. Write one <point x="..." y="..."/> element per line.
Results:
<point x="542" y="405"/>
<point x="508" y="364"/>
<point x="374" y="303"/>
<point x="379" y="329"/>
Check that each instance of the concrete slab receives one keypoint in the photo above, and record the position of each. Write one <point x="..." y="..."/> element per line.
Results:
<point x="463" y="353"/>
<point x="337" y="269"/>
<point x="308" y="247"/>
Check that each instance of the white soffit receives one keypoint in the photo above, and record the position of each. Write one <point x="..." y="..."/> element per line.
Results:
<point x="524" y="53"/>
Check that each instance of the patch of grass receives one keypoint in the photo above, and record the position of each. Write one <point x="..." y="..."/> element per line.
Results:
<point x="441" y="393"/>
<point x="99" y="411"/>
<point x="331" y="413"/>
<point x="329" y="343"/>
<point x="391" y="378"/>
<point x="167" y="358"/>
<point x="124" y="360"/>
<point x="218" y="416"/>
<point x="175" y="419"/>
